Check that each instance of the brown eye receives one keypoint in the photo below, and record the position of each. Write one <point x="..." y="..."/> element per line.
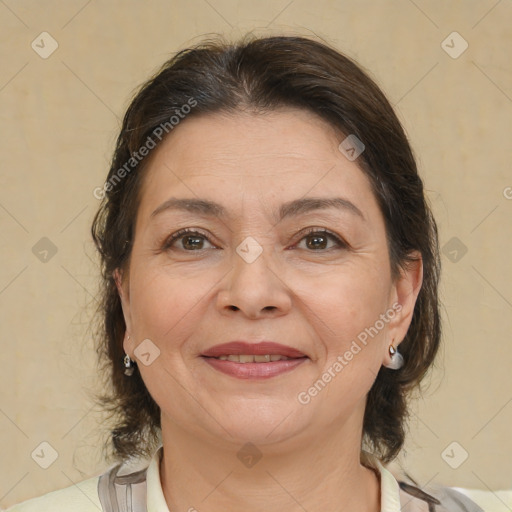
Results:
<point x="190" y="240"/>
<point x="317" y="240"/>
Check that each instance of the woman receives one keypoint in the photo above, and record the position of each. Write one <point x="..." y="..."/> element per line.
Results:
<point x="270" y="298"/>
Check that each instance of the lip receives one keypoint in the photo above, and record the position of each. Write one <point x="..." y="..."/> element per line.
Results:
<point x="254" y="370"/>
<point x="256" y="349"/>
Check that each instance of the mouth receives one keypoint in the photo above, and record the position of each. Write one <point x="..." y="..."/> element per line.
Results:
<point x="252" y="358"/>
<point x="246" y="349"/>
<point x="253" y="361"/>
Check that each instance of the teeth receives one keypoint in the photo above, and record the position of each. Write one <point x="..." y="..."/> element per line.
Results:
<point x="247" y="358"/>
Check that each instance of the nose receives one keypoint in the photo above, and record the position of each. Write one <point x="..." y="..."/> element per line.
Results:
<point x="254" y="288"/>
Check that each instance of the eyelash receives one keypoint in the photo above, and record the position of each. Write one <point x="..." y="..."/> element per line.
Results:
<point x="310" y="231"/>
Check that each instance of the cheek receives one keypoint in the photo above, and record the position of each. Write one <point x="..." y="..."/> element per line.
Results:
<point x="350" y="349"/>
<point x="156" y="303"/>
<point x="164" y="302"/>
<point x="347" y="300"/>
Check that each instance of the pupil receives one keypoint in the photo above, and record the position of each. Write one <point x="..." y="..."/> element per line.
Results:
<point x="195" y="240"/>
<point x="316" y="238"/>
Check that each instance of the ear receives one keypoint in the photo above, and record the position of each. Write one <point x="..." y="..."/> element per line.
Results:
<point x="404" y="293"/>
<point x="123" y="289"/>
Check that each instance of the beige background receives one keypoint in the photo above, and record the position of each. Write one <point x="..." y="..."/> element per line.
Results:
<point x="59" y="119"/>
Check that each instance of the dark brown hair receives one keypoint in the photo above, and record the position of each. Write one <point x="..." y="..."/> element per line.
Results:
<point x="264" y="74"/>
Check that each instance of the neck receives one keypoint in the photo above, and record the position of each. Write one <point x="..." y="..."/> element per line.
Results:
<point x="315" y="474"/>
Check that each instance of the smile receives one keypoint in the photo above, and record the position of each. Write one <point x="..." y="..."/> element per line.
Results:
<point x="254" y="367"/>
<point x="249" y="358"/>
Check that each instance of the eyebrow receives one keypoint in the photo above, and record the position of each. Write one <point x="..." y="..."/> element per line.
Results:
<point x="289" y="209"/>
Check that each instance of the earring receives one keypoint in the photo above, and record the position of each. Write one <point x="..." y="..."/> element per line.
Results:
<point x="397" y="360"/>
<point x="128" y="364"/>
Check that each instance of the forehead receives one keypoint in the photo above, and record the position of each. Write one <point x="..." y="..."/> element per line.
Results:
<point x="285" y="133"/>
<point x="284" y="153"/>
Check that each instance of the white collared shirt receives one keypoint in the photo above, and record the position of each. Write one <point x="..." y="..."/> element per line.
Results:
<point x="143" y="489"/>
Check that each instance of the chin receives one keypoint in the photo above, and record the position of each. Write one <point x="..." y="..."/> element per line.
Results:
<point x="261" y="425"/>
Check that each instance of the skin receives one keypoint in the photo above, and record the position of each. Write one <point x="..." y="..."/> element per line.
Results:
<point x="314" y="299"/>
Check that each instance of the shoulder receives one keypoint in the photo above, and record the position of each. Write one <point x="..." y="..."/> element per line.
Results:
<point x="436" y="498"/>
<point x="118" y="488"/>
<point x="495" y="501"/>
<point x="400" y="492"/>
<point x="81" y="497"/>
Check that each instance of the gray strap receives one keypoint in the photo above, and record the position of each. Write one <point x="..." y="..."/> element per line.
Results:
<point x="418" y="494"/>
<point x="107" y="491"/>
<point x="122" y="493"/>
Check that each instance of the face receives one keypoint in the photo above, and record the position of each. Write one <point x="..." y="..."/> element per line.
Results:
<point x="266" y="263"/>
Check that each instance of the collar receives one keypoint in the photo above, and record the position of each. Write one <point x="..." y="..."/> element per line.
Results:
<point x="389" y="488"/>
<point x="155" y="494"/>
